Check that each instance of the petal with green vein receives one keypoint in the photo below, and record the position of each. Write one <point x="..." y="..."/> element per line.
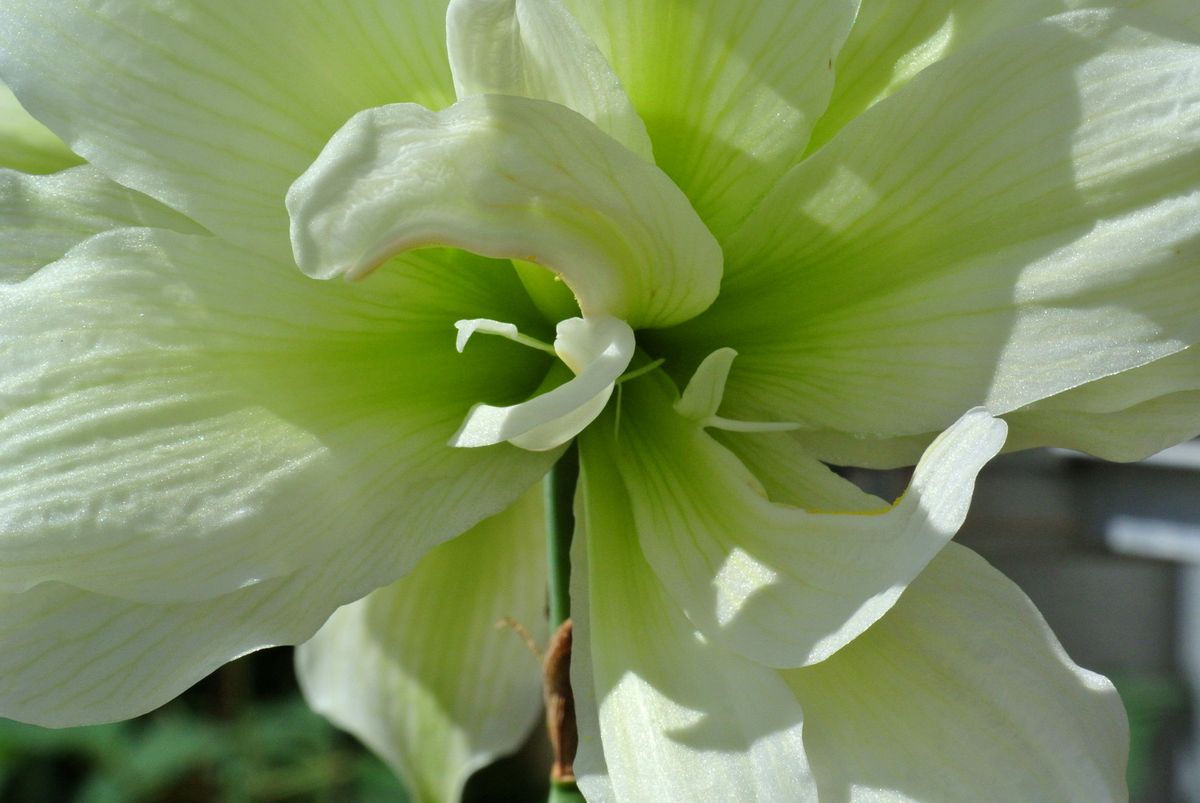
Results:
<point x="181" y="420"/>
<point x="215" y="106"/>
<point x="507" y="177"/>
<point x="728" y="91"/>
<point x="782" y="585"/>
<point x="961" y="692"/>
<point x="678" y="717"/>
<point x="43" y="217"/>
<point x="1030" y="223"/>
<point x="536" y="49"/>
<point x="425" y="672"/>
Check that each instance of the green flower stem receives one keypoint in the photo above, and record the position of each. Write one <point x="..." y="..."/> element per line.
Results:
<point x="560" y="525"/>
<point x="565" y="792"/>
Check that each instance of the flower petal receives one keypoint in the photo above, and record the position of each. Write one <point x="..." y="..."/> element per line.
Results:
<point x="791" y="475"/>
<point x="43" y="217"/>
<point x="1177" y="12"/>
<point x="215" y="106"/>
<point x="1128" y="416"/>
<point x="678" y="718"/>
<point x="73" y="657"/>
<point x="536" y="49"/>
<point x="26" y="144"/>
<point x="1030" y="222"/>
<point x="892" y="42"/>
<point x="419" y="670"/>
<point x="838" y="448"/>
<point x="961" y="687"/>
<point x="782" y="585"/>
<point x="729" y="91"/>
<point x="180" y="420"/>
<point x="514" y="178"/>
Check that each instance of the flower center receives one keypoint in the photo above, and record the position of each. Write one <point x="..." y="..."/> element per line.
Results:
<point x="596" y="350"/>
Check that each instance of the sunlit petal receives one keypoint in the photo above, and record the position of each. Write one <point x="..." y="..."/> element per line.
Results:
<point x="1029" y="223"/>
<point x="181" y="422"/>
<point x="679" y="718"/>
<point x="780" y="584"/>
<point x="432" y="680"/>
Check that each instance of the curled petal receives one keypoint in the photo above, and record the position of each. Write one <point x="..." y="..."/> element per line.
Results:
<point x="512" y="178"/>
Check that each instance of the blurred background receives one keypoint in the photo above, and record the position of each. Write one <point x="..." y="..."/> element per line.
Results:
<point x="242" y="735"/>
<point x="1109" y="552"/>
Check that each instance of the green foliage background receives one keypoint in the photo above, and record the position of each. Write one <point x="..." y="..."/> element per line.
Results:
<point x="242" y="735"/>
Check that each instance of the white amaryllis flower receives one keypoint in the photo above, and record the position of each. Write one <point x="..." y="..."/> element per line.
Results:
<point x="839" y="229"/>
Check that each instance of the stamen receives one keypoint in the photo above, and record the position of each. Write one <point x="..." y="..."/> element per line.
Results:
<point x="704" y="392"/>
<point x="486" y="326"/>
